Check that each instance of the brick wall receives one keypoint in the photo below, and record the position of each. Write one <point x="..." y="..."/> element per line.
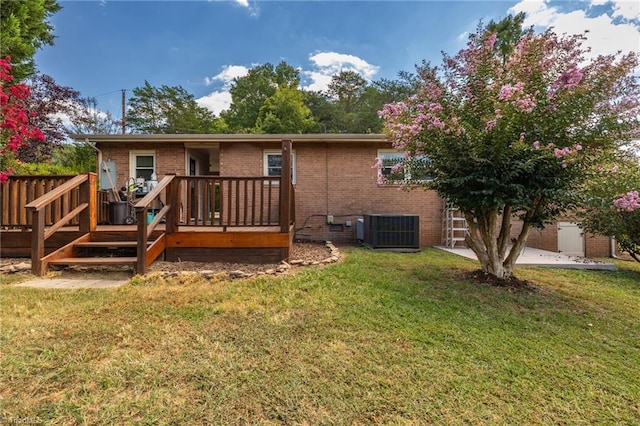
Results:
<point x="170" y="158"/>
<point x="338" y="179"/>
<point x="547" y="239"/>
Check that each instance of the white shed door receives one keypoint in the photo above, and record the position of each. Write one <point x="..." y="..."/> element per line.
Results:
<point x="570" y="239"/>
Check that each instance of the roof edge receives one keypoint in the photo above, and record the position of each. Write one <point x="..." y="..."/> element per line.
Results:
<point x="306" y="137"/>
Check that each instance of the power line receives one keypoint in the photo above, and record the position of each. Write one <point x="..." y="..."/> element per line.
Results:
<point x="105" y="94"/>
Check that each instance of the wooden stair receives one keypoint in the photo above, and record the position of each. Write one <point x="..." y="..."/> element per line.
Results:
<point x="98" y="250"/>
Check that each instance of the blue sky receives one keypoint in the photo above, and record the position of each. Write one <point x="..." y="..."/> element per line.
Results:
<point x="105" y="46"/>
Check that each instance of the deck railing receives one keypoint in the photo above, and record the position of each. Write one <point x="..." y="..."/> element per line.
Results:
<point x="215" y="201"/>
<point x="150" y="211"/>
<point x="84" y="213"/>
<point x="19" y="191"/>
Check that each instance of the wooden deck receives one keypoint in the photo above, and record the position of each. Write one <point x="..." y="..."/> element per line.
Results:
<point x="196" y="218"/>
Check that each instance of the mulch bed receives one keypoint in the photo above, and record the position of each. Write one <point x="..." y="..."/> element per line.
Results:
<point x="512" y="283"/>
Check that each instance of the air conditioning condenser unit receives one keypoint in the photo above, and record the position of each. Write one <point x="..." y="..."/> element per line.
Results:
<point x="382" y="231"/>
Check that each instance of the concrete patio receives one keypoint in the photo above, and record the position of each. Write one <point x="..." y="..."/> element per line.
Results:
<point x="543" y="259"/>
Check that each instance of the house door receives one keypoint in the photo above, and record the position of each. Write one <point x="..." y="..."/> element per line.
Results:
<point x="570" y="239"/>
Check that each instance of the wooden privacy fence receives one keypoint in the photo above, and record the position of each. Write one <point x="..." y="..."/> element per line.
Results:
<point x="19" y="191"/>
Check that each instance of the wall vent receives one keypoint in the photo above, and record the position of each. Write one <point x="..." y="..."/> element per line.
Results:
<point x="391" y="231"/>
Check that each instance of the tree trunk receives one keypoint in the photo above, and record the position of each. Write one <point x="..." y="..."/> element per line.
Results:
<point x="488" y="237"/>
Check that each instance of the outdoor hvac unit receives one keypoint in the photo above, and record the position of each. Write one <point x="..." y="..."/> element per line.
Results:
<point x="391" y="231"/>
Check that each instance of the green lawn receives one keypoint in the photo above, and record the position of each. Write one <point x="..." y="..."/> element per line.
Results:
<point x="381" y="338"/>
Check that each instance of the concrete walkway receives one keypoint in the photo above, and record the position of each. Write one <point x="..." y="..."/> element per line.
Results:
<point x="69" y="283"/>
<point x="544" y="259"/>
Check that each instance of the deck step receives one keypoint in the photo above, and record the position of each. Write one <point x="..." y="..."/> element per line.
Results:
<point x="109" y="244"/>
<point x="94" y="261"/>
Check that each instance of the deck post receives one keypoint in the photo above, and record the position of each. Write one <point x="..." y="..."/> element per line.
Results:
<point x="285" y="187"/>
<point x="37" y="241"/>
<point x="141" y="265"/>
<point x="173" y="200"/>
<point x="89" y="194"/>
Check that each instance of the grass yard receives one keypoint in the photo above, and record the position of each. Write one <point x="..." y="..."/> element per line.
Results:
<point x="381" y="338"/>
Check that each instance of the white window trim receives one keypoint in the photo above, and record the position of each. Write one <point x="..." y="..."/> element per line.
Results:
<point x="265" y="162"/>
<point x="132" y="161"/>
<point x="406" y="172"/>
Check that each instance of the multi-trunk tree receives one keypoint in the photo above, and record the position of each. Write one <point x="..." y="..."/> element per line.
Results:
<point x="510" y="127"/>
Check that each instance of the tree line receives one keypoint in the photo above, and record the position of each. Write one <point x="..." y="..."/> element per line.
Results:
<point x="269" y="99"/>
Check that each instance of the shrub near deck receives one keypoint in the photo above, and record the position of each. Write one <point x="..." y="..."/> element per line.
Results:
<point x="378" y="338"/>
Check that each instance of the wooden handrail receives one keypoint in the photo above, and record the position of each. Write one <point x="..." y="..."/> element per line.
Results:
<point x="85" y="211"/>
<point x="66" y="219"/>
<point x="145" y="230"/>
<point x="153" y="194"/>
<point x="56" y="193"/>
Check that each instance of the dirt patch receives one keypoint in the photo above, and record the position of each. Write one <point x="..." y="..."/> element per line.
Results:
<point x="302" y="254"/>
<point x="511" y="283"/>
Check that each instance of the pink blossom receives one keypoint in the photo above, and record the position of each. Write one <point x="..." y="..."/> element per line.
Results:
<point x="536" y="144"/>
<point x="506" y="92"/>
<point x="578" y="147"/>
<point x="490" y="124"/>
<point x="492" y="41"/>
<point x="526" y="104"/>
<point x="628" y="202"/>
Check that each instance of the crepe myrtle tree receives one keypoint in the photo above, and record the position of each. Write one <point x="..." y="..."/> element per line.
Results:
<point x="509" y="131"/>
<point x="15" y="119"/>
<point x="611" y="205"/>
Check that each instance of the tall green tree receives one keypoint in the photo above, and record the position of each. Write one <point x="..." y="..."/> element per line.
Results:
<point x="249" y="93"/>
<point x="511" y="132"/>
<point x="25" y="28"/>
<point x="169" y="109"/>
<point x="285" y="112"/>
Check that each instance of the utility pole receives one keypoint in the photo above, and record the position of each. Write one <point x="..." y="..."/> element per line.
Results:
<point x="124" y="114"/>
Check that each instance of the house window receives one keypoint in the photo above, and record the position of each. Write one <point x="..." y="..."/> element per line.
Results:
<point x="143" y="164"/>
<point x="413" y="171"/>
<point x="273" y="163"/>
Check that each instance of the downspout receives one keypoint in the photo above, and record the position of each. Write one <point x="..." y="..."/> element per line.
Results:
<point x="95" y="148"/>
<point x="613" y="247"/>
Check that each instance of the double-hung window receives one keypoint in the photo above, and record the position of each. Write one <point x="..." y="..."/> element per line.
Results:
<point x="412" y="171"/>
<point x="143" y="164"/>
<point x="273" y="163"/>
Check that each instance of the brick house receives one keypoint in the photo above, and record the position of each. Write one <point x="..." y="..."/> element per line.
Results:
<point x="334" y="179"/>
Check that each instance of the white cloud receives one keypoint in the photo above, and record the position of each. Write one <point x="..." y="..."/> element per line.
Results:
<point x="626" y="9"/>
<point x="605" y="35"/>
<point x="463" y="36"/>
<point x="216" y="102"/>
<point x="219" y="100"/>
<point x="328" y="64"/>
<point x="228" y="73"/>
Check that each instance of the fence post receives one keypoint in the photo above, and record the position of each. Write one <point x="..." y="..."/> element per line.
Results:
<point x="285" y="187"/>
